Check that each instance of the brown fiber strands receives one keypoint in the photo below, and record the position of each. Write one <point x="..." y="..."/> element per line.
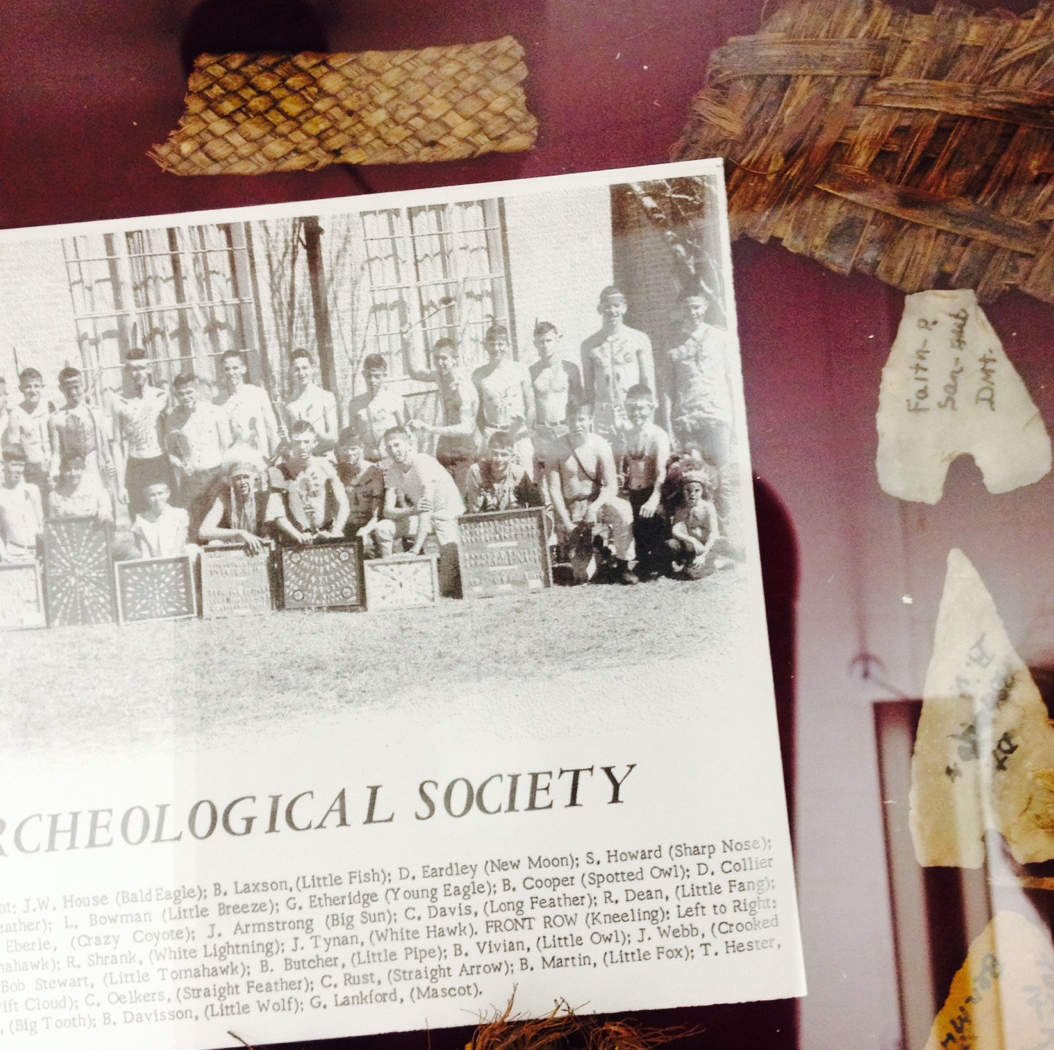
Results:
<point x="252" y="114"/>
<point x="916" y="148"/>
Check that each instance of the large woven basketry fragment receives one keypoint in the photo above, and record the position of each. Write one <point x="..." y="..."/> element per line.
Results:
<point x="916" y="148"/>
<point x="253" y="114"/>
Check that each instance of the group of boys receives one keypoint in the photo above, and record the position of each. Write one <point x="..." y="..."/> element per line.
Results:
<point x="581" y="442"/>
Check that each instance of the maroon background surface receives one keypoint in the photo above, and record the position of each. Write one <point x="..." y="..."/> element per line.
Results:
<point x="89" y="85"/>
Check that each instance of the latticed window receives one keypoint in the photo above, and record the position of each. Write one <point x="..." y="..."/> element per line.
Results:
<point x="433" y="271"/>
<point x="184" y="295"/>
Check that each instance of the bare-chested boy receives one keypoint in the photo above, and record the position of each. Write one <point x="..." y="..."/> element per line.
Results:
<point x="644" y="452"/>
<point x="77" y="429"/>
<point x="310" y="403"/>
<point x="506" y="400"/>
<point x="140" y="456"/>
<point x="420" y="498"/>
<point x="556" y="383"/>
<point x="695" y="528"/>
<point x="613" y="359"/>
<point x="249" y="410"/>
<point x="21" y="514"/>
<point x="308" y="501"/>
<point x="583" y="486"/>
<point x="376" y="411"/>
<point x="458" y="439"/>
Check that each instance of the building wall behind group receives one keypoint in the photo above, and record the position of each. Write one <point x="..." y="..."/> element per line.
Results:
<point x="560" y="257"/>
<point x="36" y="315"/>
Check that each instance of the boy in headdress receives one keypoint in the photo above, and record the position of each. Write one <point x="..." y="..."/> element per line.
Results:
<point x="695" y="529"/>
<point x="239" y="512"/>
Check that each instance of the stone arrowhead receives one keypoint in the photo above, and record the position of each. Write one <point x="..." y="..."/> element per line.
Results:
<point x="948" y="389"/>
<point x="1002" y="998"/>
<point x="984" y="751"/>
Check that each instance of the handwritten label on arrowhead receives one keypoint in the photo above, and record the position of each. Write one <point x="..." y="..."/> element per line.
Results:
<point x="1002" y="998"/>
<point x="984" y="750"/>
<point x="948" y="389"/>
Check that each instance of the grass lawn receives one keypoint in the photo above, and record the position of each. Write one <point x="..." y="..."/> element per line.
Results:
<point x="151" y="683"/>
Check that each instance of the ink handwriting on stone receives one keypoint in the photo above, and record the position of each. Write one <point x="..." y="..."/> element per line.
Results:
<point x="986" y="391"/>
<point x="958" y="344"/>
<point x="920" y="370"/>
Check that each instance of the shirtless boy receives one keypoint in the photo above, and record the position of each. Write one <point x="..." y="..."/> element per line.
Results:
<point x="249" y="410"/>
<point x="376" y="411"/>
<point x="613" y="359"/>
<point x="458" y="440"/>
<point x="506" y="400"/>
<point x="584" y="490"/>
<point x="137" y="423"/>
<point x="310" y="403"/>
<point x="555" y="382"/>
<point x="695" y="528"/>
<point x="644" y="452"/>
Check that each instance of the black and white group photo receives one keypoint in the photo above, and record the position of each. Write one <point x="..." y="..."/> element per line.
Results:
<point x="400" y="409"/>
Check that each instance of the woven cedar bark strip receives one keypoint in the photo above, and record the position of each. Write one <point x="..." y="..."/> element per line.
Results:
<point x="935" y="166"/>
<point x="253" y="114"/>
<point x="1034" y="108"/>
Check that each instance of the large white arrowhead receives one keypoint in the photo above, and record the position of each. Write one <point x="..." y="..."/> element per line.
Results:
<point x="1002" y="998"/>
<point x="948" y="389"/>
<point x="984" y="751"/>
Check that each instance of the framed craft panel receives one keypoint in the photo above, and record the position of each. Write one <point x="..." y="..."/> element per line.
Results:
<point x="401" y="583"/>
<point x="21" y="597"/>
<point x="504" y="552"/>
<point x="78" y="579"/>
<point x="325" y="575"/>
<point x="235" y="582"/>
<point x="155" y="589"/>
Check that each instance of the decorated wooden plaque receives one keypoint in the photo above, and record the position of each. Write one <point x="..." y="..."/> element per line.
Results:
<point x="78" y="579"/>
<point x="21" y="597"/>
<point x="234" y="582"/>
<point x="401" y="583"/>
<point x="155" y="589"/>
<point x="503" y="553"/>
<point x="322" y="576"/>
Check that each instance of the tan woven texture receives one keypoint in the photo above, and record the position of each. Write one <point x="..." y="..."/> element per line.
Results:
<point x="252" y="114"/>
<point x="918" y="148"/>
